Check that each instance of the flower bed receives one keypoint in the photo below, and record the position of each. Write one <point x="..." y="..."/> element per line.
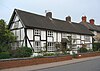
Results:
<point x="84" y="55"/>
<point x="10" y="63"/>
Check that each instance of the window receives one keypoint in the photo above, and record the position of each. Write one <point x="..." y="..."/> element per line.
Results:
<point x="36" y="32"/>
<point x="87" y="38"/>
<point x="50" y="33"/>
<point x="50" y="46"/>
<point x="38" y="46"/>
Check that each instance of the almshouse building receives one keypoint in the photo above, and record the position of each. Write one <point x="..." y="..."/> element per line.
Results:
<point x="95" y="29"/>
<point x="44" y="32"/>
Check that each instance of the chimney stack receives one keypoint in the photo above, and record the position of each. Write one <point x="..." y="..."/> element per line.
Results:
<point x="84" y="18"/>
<point x="92" y="21"/>
<point x="68" y="19"/>
<point x="49" y="14"/>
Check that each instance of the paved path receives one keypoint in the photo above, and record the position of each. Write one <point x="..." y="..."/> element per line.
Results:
<point x="51" y="65"/>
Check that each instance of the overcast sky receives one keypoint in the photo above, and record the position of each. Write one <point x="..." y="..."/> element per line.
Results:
<point x="60" y="8"/>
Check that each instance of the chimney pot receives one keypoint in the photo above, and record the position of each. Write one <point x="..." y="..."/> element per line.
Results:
<point x="84" y="18"/>
<point x="49" y="14"/>
<point x="92" y="21"/>
<point x="68" y="19"/>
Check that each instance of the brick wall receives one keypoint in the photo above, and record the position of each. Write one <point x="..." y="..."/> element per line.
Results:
<point x="84" y="55"/>
<point x="31" y="61"/>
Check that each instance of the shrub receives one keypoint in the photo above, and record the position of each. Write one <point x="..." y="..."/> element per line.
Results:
<point x="96" y="46"/>
<point x="22" y="52"/>
<point x="83" y="50"/>
<point x="49" y="54"/>
<point x="4" y="55"/>
<point x="74" y="55"/>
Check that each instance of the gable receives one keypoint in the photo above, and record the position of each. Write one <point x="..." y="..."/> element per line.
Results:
<point x="16" y="23"/>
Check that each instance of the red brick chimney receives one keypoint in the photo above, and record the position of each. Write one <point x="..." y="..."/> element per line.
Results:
<point x="92" y="21"/>
<point x="84" y="18"/>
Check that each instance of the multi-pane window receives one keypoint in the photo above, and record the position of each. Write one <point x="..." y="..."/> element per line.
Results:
<point x="50" y="46"/>
<point x="50" y="33"/>
<point x="36" y="32"/>
<point x="87" y="38"/>
<point x="38" y="46"/>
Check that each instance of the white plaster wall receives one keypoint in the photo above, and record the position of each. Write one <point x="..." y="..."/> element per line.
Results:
<point x="49" y="39"/>
<point x="82" y="37"/>
<point x="12" y="27"/>
<point x="94" y="32"/>
<point x="20" y="25"/>
<point x="43" y="35"/>
<point x="74" y="36"/>
<point x="59" y="37"/>
<point x="17" y="34"/>
<point x="78" y="41"/>
<point x="78" y="36"/>
<point x="43" y="45"/>
<point x="37" y="38"/>
<point x="16" y="18"/>
<point x="28" y="45"/>
<point x="68" y="34"/>
<point x="90" y="39"/>
<point x="54" y="36"/>
<point x="30" y="34"/>
<point x="82" y="42"/>
<point x="22" y="34"/>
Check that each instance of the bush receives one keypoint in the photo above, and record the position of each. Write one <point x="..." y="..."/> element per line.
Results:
<point x="96" y="46"/>
<point x="49" y="54"/>
<point x="4" y="55"/>
<point x="83" y="50"/>
<point x="22" y="52"/>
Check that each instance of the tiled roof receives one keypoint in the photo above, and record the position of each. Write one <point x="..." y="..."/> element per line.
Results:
<point x="32" y="20"/>
<point x="91" y="27"/>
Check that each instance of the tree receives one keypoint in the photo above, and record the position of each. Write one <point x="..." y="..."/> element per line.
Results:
<point x="6" y="37"/>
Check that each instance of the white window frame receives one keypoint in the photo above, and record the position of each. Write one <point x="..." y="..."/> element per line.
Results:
<point x="36" y="32"/>
<point x="38" y="46"/>
<point x="50" y="46"/>
<point x="50" y="33"/>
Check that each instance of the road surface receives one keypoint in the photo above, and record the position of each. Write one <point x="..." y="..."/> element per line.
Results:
<point x="91" y="65"/>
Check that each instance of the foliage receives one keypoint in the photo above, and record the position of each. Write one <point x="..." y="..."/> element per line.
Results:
<point x="74" y="55"/>
<point x="97" y="38"/>
<point x="4" y="55"/>
<point x="6" y="37"/>
<point x="83" y="50"/>
<point x="96" y="46"/>
<point x="49" y="54"/>
<point x="22" y="52"/>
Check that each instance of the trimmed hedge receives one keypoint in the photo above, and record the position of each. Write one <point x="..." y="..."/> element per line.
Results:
<point x="83" y="50"/>
<point x="4" y="55"/>
<point x="22" y="52"/>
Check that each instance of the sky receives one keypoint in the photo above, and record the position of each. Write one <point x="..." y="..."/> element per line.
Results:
<point x="60" y="8"/>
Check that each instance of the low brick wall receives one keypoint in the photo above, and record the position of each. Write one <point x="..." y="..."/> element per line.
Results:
<point x="84" y="55"/>
<point x="31" y="61"/>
